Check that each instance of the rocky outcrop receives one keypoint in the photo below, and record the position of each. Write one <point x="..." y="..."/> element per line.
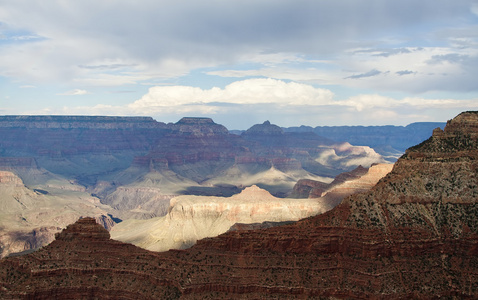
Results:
<point x="191" y="218"/>
<point x="92" y="149"/>
<point x="359" y="180"/>
<point x="29" y="218"/>
<point x="307" y="188"/>
<point x="265" y="129"/>
<point x="69" y="135"/>
<point x="83" y="263"/>
<point x="8" y="178"/>
<point x="80" y="148"/>
<point x="199" y="127"/>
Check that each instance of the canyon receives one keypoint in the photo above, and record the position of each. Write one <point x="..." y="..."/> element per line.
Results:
<point x="124" y="168"/>
<point x="412" y="235"/>
<point x="191" y="218"/>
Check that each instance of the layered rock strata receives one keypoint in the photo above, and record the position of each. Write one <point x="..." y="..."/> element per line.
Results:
<point x="83" y="263"/>
<point x="359" y="180"/>
<point x="383" y="138"/>
<point x="413" y="235"/>
<point x="191" y="218"/>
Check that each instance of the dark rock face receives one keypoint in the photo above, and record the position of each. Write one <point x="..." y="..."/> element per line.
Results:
<point x="414" y="235"/>
<point x="83" y="263"/>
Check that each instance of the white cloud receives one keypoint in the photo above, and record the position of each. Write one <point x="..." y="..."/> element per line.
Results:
<point x="370" y="102"/>
<point x="74" y="92"/>
<point x="250" y="91"/>
<point x="282" y="94"/>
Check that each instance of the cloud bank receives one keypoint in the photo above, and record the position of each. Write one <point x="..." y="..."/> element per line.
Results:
<point x="251" y="91"/>
<point x="296" y="103"/>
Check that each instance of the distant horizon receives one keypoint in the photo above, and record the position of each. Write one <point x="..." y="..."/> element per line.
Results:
<point x="212" y="118"/>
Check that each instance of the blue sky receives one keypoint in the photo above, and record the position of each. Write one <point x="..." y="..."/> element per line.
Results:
<point x="300" y="62"/>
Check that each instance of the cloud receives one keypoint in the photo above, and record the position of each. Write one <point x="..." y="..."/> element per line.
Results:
<point x="85" y="39"/>
<point x="404" y="72"/>
<point x="281" y="94"/>
<point x="370" y="73"/>
<point x="474" y="8"/>
<point x="286" y="58"/>
<point x="453" y="58"/>
<point x="385" y="52"/>
<point x="433" y="69"/>
<point x="291" y="104"/>
<point x="112" y="66"/>
<point x="374" y="101"/>
<point x="74" y="92"/>
<point x="250" y="91"/>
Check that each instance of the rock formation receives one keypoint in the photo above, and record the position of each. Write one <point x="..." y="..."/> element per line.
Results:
<point x="191" y="218"/>
<point x="135" y="165"/>
<point x="384" y="139"/>
<point x="413" y="235"/>
<point x="83" y="263"/>
<point x="30" y="218"/>
<point x="204" y="152"/>
<point x="92" y="150"/>
<point x="359" y="180"/>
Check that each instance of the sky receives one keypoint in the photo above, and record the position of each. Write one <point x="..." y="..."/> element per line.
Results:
<point x="241" y="62"/>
